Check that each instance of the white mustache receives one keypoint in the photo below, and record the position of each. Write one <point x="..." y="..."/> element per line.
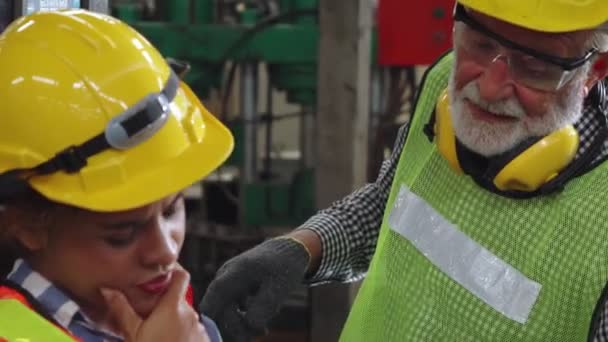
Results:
<point x="509" y="107"/>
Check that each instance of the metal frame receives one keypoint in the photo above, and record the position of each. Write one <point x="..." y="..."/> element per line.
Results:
<point x="100" y="6"/>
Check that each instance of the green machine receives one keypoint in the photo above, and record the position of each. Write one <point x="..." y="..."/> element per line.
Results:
<point x="219" y="38"/>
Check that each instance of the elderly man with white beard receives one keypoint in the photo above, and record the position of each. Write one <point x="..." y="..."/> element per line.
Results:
<point x="489" y="220"/>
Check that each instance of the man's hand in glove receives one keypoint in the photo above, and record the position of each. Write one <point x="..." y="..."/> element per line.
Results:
<point x="248" y="289"/>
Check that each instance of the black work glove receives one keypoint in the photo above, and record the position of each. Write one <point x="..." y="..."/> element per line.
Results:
<point x="248" y="289"/>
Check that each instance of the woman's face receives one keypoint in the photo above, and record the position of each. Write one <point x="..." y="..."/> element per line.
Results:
<point x="133" y="251"/>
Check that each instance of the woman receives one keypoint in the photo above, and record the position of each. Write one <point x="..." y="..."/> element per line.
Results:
<point x="98" y="136"/>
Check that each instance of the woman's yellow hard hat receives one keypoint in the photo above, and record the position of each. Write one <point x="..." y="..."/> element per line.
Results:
<point x="93" y="116"/>
<point x="545" y="15"/>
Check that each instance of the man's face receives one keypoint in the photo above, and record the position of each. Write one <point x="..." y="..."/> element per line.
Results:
<point x="132" y="251"/>
<point x="491" y="111"/>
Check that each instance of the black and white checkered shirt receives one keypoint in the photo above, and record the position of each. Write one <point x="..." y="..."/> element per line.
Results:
<point x="349" y="228"/>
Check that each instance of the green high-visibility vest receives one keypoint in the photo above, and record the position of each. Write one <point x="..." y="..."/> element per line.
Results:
<point x="18" y="323"/>
<point x="455" y="262"/>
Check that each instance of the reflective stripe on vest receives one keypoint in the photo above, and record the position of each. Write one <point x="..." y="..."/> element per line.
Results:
<point x="474" y="267"/>
<point x="557" y="245"/>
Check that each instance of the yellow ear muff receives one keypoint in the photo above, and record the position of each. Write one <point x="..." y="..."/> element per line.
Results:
<point x="540" y="163"/>
<point x="529" y="170"/>
<point x="444" y="132"/>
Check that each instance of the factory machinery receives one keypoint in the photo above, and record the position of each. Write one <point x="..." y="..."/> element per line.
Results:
<point x="244" y="52"/>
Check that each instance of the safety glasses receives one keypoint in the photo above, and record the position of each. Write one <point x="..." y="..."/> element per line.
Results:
<point x="527" y="66"/>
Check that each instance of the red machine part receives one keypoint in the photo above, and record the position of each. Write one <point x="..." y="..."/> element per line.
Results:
<point x="413" y="32"/>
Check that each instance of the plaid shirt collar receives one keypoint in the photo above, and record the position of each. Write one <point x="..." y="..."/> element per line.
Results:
<point x="58" y="305"/>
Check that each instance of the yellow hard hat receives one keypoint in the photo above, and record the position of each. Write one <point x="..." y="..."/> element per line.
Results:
<point x="93" y="116"/>
<point x="545" y="15"/>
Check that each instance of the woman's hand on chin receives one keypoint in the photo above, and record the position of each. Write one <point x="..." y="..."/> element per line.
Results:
<point x="173" y="319"/>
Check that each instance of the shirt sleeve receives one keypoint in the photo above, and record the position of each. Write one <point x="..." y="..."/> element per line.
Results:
<point x="349" y="228"/>
<point x="211" y="328"/>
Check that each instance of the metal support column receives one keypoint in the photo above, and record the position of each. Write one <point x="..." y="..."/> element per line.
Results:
<point x="100" y="6"/>
<point x="377" y="120"/>
<point x="249" y="109"/>
<point x="342" y="127"/>
<point x="308" y="137"/>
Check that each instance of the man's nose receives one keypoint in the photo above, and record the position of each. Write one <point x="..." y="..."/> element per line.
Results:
<point x="495" y="82"/>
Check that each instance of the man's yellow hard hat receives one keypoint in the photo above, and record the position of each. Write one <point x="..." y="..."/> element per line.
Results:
<point x="545" y="15"/>
<point x="94" y="117"/>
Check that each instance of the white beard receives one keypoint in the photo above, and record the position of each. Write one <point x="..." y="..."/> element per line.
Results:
<point x="490" y="139"/>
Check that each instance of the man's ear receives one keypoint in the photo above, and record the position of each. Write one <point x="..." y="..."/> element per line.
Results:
<point x="599" y="71"/>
